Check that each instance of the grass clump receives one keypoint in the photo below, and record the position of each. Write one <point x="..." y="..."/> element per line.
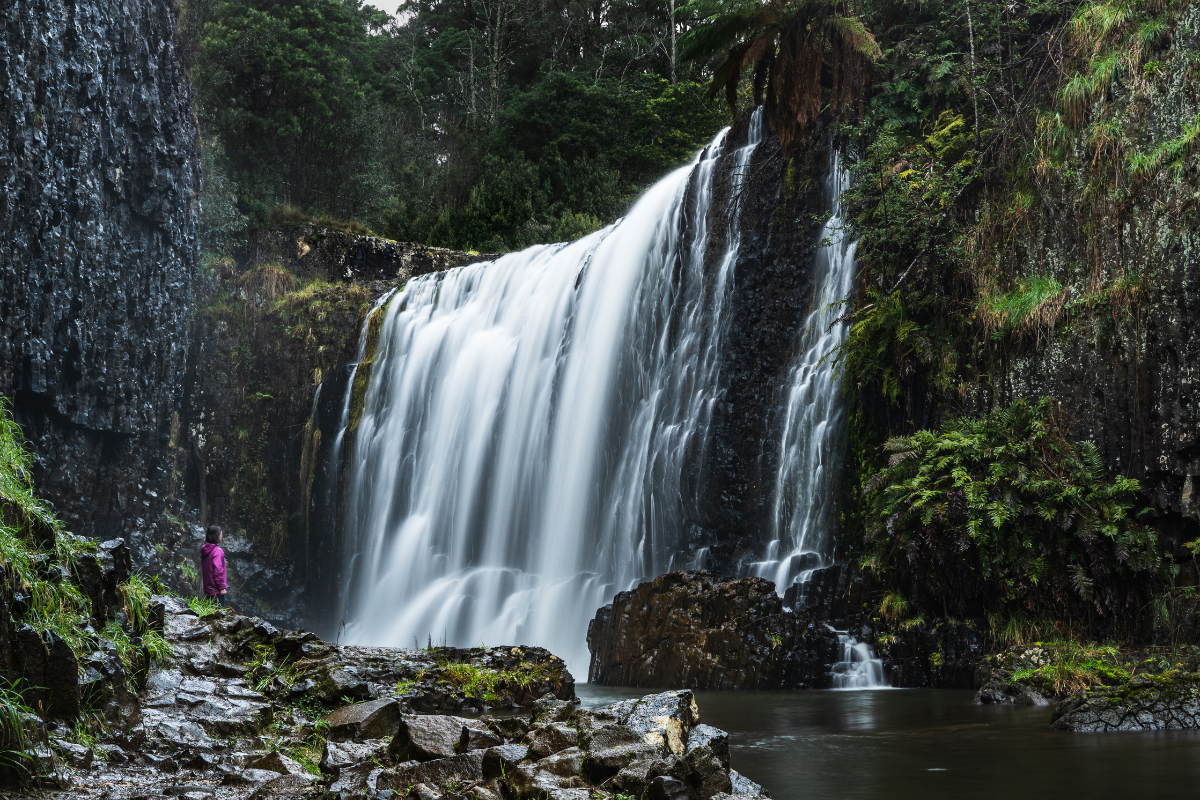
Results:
<point x="14" y="756"/>
<point x="483" y="683"/>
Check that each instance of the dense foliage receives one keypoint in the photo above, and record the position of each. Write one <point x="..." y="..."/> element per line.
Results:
<point x="1003" y="517"/>
<point x="489" y="125"/>
<point x="996" y="134"/>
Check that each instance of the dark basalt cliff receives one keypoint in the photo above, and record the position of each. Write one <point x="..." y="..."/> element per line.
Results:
<point x="770" y="297"/>
<point x="98" y="186"/>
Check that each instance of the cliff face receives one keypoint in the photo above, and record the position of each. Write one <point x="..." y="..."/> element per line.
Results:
<point x="98" y="183"/>
<point x="771" y="296"/>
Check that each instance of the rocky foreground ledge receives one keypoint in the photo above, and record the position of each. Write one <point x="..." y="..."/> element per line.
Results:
<point x="247" y="711"/>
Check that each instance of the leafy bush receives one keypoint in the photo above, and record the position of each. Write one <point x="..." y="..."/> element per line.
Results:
<point x="1003" y="515"/>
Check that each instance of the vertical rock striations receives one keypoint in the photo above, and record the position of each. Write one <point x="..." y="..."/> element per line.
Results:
<point x="98" y="183"/>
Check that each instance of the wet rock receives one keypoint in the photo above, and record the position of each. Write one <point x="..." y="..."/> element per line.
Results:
<point x="201" y="762"/>
<point x="1145" y="703"/>
<point x="551" y="709"/>
<point x="563" y="763"/>
<point x="278" y="762"/>
<point x="371" y="720"/>
<point x="499" y="761"/>
<point x="337" y="755"/>
<point x="462" y="768"/>
<point x="692" y="629"/>
<point x="284" y="786"/>
<point x="663" y="719"/>
<point x="546" y="739"/>
<point x="426" y="737"/>
<point x="356" y="778"/>
<point x="716" y="739"/>
<point x="701" y="770"/>
<point x="248" y="777"/>
<point x="744" y="786"/>
<point x="296" y="645"/>
<point x="478" y="739"/>
<point x="530" y="782"/>
<point x="49" y="670"/>
<point x="665" y="787"/>
<point x="509" y="728"/>
<point x="76" y="755"/>
<point x="612" y="748"/>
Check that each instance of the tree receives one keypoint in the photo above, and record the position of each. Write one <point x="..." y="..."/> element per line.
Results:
<point x="786" y="42"/>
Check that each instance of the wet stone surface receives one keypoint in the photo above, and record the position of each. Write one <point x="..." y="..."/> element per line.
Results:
<point x="247" y="711"/>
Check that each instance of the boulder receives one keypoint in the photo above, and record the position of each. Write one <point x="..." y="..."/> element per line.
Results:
<point x="463" y="768"/>
<point x="371" y="720"/>
<point x="664" y="719"/>
<point x="278" y="762"/>
<point x="704" y="773"/>
<point x="509" y="728"/>
<point x="284" y="786"/>
<point x="743" y="786"/>
<point x="1144" y="703"/>
<point x="296" y="645"/>
<point x="665" y="787"/>
<point x="612" y="749"/>
<point x="426" y="737"/>
<point x="716" y="739"/>
<point x="693" y="629"/>
<point x="502" y="760"/>
<point x="478" y="739"/>
<point x="546" y="739"/>
<point x="532" y="783"/>
<point x="358" y="779"/>
<point x="563" y="763"/>
<point x="49" y="671"/>
<point x="337" y="755"/>
<point x="549" y="708"/>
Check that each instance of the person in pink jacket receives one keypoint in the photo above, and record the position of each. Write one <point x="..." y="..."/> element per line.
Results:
<point x="212" y="564"/>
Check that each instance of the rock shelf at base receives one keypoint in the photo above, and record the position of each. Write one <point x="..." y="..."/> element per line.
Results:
<point x="247" y="711"/>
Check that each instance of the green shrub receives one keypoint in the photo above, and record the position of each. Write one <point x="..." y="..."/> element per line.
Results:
<point x="1002" y="515"/>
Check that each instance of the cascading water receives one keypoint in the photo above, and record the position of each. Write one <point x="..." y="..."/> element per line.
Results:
<point x="523" y="447"/>
<point x="813" y="424"/>
<point x="858" y="668"/>
<point x="809" y="455"/>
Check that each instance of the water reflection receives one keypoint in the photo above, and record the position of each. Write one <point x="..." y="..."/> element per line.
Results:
<point x="932" y="744"/>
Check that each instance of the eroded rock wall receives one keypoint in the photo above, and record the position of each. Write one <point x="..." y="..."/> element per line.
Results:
<point x="98" y="186"/>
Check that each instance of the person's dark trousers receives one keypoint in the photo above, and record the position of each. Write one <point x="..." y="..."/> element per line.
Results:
<point x="220" y="598"/>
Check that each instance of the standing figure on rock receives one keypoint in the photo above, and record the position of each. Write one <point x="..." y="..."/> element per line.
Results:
<point x="212" y="564"/>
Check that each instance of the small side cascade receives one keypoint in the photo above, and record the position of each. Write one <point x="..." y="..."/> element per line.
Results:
<point x="858" y="668"/>
<point x="804" y="512"/>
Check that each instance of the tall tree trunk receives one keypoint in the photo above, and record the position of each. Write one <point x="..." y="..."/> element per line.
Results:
<point x="672" y="6"/>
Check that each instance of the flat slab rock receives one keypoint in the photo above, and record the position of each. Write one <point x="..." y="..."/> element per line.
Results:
<point x="1146" y="703"/>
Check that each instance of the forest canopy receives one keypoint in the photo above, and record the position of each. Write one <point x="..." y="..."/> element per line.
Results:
<point x="487" y="124"/>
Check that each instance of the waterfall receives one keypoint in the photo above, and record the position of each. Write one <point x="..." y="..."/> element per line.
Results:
<point x="527" y="437"/>
<point x="809" y="448"/>
<point x="858" y="668"/>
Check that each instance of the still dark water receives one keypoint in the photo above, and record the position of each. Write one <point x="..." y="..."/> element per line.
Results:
<point x="931" y="744"/>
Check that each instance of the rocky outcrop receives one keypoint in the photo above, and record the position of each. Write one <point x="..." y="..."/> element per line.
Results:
<point x="98" y="185"/>
<point x="238" y="714"/>
<point x="314" y="251"/>
<point x="1144" y="703"/>
<point x="688" y="629"/>
<point x="693" y="630"/>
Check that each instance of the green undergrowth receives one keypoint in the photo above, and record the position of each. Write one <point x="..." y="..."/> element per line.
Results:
<point x="1064" y="666"/>
<point x="1002" y="517"/>
<point x="481" y="683"/>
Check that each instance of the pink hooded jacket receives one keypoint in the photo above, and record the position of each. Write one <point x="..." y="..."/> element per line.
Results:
<point x="212" y="569"/>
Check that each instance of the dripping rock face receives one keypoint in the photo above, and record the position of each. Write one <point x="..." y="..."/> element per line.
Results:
<point x="98" y="252"/>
